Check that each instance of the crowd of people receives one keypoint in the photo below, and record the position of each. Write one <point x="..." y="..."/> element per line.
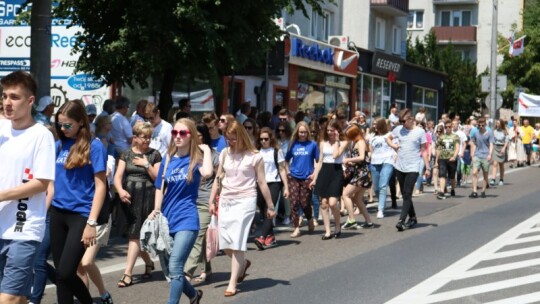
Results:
<point x="80" y="171"/>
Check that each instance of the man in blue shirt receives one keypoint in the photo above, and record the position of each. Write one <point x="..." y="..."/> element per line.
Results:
<point x="481" y="150"/>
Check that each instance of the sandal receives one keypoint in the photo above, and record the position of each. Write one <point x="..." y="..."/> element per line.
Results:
<point x="243" y="276"/>
<point x="122" y="282"/>
<point x="203" y="277"/>
<point x="148" y="271"/>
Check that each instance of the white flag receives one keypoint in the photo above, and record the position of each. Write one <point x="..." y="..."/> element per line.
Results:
<point x="517" y="46"/>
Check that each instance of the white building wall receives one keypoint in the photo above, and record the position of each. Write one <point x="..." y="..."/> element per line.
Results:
<point x="509" y="13"/>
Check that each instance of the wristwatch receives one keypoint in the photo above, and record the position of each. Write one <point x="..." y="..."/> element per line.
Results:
<point x="91" y="223"/>
<point x="147" y="165"/>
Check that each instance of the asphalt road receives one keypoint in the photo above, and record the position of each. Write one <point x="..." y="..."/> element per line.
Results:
<point x="381" y="265"/>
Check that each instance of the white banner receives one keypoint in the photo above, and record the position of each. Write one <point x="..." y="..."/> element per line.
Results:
<point x="529" y="105"/>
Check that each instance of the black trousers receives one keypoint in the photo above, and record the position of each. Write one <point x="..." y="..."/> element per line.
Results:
<point x="275" y="191"/>
<point x="393" y="191"/>
<point x="67" y="249"/>
<point x="406" y="181"/>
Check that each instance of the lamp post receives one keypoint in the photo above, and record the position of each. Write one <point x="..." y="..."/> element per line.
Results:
<point x="493" y="68"/>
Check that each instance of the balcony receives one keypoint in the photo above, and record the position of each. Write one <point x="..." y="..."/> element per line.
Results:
<point x="458" y="35"/>
<point x="454" y="2"/>
<point x="396" y="8"/>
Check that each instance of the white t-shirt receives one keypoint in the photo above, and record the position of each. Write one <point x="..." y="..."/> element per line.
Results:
<point x="161" y="137"/>
<point x="121" y="131"/>
<point x="382" y="153"/>
<point x="25" y="154"/>
<point x="270" y="171"/>
<point x="462" y="140"/>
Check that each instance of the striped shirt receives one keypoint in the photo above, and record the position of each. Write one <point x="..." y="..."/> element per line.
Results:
<point x="410" y="144"/>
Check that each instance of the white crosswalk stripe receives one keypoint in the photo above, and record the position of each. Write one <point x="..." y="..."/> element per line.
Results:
<point x="484" y="275"/>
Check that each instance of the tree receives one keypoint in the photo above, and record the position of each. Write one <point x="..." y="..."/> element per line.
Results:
<point x="462" y="87"/>
<point x="128" y="41"/>
<point x="523" y="70"/>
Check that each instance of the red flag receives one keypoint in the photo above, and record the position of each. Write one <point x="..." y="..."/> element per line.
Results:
<point x="517" y="46"/>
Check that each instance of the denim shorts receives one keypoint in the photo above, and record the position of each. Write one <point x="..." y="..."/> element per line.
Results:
<point x="16" y="266"/>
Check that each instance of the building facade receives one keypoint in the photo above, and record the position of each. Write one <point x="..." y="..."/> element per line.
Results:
<point x="466" y="24"/>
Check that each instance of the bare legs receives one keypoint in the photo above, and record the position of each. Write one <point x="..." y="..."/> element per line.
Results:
<point x="326" y="203"/>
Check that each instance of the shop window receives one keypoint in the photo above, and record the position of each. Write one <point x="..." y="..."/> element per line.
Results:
<point x="380" y="26"/>
<point x="377" y="97"/>
<point x="430" y="97"/>
<point x="425" y="98"/>
<point x="401" y="92"/>
<point x="415" y="20"/>
<point x="365" y="94"/>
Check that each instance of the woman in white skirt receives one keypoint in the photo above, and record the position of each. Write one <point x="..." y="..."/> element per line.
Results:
<point x="244" y="170"/>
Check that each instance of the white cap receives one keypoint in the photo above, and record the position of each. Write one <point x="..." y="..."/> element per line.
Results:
<point x="43" y="103"/>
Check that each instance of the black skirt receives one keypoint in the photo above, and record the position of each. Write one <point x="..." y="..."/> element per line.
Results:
<point x="330" y="180"/>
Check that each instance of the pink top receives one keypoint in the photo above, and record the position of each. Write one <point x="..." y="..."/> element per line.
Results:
<point x="240" y="175"/>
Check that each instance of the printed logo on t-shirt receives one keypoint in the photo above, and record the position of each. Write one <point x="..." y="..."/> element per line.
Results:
<point x="61" y="159"/>
<point x="23" y="203"/>
<point x="177" y="174"/>
<point x="300" y="151"/>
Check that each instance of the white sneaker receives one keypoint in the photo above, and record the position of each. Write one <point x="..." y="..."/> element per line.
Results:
<point x="501" y="183"/>
<point x="380" y="214"/>
<point x="286" y="221"/>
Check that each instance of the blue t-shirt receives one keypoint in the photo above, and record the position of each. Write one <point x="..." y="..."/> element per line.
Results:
<point x="74" y="189"/>
<point x="180" y="201"/>
<point x="482" y="142"/>
<point x="304" y="154"/>
<point x="219" y="143"/>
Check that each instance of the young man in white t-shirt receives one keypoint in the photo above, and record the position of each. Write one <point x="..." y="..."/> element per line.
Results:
<point x="161" y="136"/>
<point x="27" y="153"/>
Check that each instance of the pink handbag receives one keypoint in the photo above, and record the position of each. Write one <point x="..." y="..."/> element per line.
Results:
<point x="212" y="239"/>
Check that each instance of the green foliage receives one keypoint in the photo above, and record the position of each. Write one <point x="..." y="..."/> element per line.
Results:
<point x="523" y="70"/>
<point x="129" y="41"/>
<point x="462" y="86"/>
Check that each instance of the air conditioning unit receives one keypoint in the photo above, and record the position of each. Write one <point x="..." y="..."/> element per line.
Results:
<point x="339" y="41"/>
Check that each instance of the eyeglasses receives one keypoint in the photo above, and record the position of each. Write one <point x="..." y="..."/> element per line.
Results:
<point x="281" y="130"/>
<point x="248" y="127"/>
<point x="264" y="139"/>
<point x="183" y="133"/>
<point x="439" y="131"/>
<point x="282" y="119"/>
<point x="313" y="132"/>
<point x="66" y="125"/>
<point x="481" y="125"/>
<point x="223" y="120"/>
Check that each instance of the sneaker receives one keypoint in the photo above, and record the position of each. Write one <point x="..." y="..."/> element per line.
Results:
<point x="473" y="195"/>
<point x="286" y="221"/>
<point x="350" y="225"/>
<point x="400" y="226"/>
<point x="411" y="223"/>
<point x="197" y="299"/>
<point x="107" y="299"/>
<point x="260" y="242"/>
<point x="367" y="225"/>
<point x="492" y="182"/>
<point x="501" y="183"/>
<point x="483" y="195"/>
<point x="453" y="193"/>
<point x="270" y="241"/>
<point x="441" y="196"/>
<point x="380" y="214"/>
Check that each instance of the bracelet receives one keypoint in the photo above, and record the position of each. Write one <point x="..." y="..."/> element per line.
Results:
<point x="157" y="211"/>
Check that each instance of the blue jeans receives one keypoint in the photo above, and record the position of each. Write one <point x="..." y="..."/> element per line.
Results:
<point x="316" y="205"/>
<point x="183" y="243"/>
<point x="381" y="175"/>
<point x="42" y="269"/>
<point x="420" y="178"/>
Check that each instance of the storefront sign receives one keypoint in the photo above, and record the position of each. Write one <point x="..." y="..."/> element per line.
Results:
<point x="323" y="57"/>
<point x="384" y="64"/>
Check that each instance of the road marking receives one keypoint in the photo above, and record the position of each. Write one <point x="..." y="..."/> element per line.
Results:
<point x="425" y="292"/>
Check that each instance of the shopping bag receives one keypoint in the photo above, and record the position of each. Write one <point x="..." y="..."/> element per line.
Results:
<point x="212" y="239"/>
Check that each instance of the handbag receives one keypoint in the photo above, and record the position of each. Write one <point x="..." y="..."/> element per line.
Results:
<point x="212" y="239"/>
<point x="106" y="208"/>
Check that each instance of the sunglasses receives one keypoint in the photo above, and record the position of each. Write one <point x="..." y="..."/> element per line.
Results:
<point x="183" y="133"/>
<point x="283" y="119"/>
<point x="248" y="127"/>
<point x="223" y="120"/>
<point x="66" y="126"/>
<point x="281" y="130"/>
<point x="264" y="139"/>
<point x="448" y="127"/>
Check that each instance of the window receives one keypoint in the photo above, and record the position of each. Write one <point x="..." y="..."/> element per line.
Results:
<point x="396" y="39"/>
<point x="380" y="25"/>
<point x="321" y="26"/>
<point x="415" y="20"/>
<point x="427" y="99"/>
<point x="456" y="18"/>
